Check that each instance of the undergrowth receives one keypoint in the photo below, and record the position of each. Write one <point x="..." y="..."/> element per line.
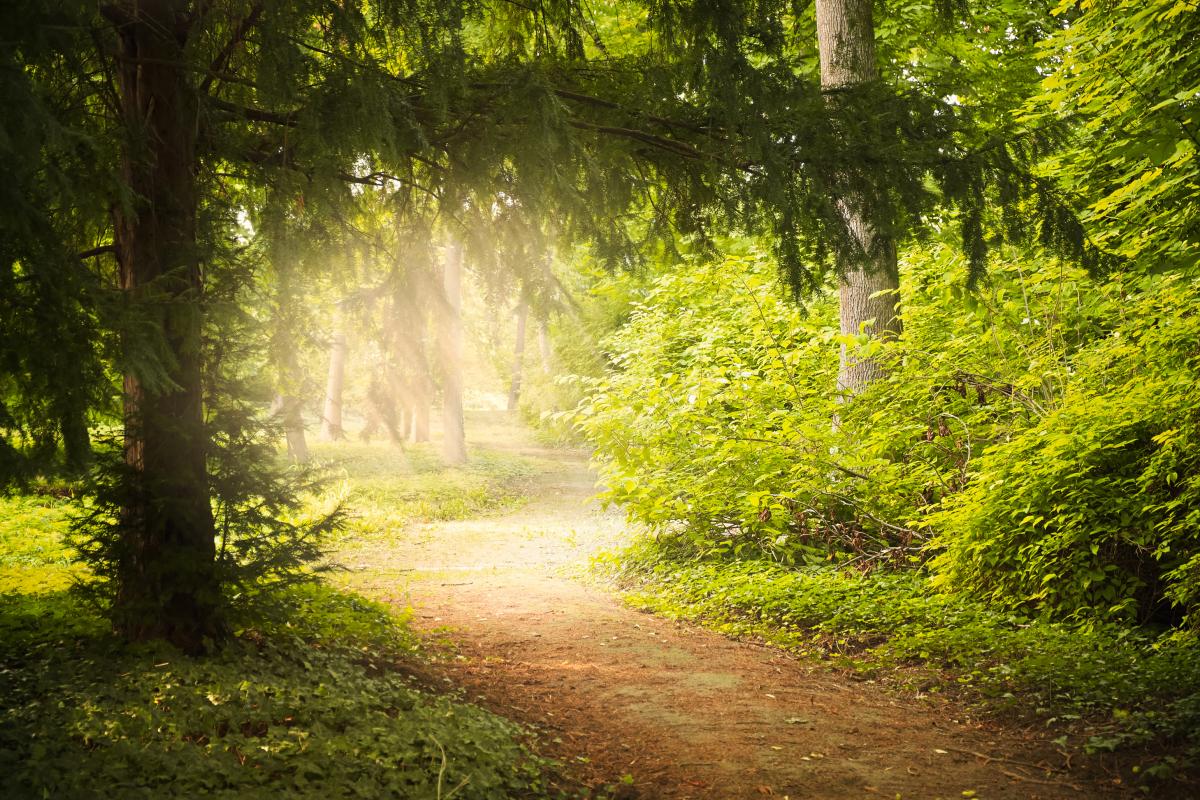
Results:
<point x="1106" y="684"/>
<point x="315" y="697"/>
<point x="309" y="702"/>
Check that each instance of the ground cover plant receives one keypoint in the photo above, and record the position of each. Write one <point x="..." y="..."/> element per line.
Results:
<point x="320" y="693"/>
<point x="311" y="703"/>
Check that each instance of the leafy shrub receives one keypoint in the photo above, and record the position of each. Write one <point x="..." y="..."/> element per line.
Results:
<point x="1035" y="438"/>
<point x="1094" y="508"/>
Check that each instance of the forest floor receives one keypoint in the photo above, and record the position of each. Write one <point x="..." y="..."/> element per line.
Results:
<point x="681" y="712"/>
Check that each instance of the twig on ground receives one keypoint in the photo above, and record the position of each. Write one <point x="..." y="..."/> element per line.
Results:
<point x="1042" y="783"/>
<point x="1004" y="760"/>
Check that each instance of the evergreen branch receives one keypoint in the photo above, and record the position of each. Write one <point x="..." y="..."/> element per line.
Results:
<point x="258" y="157"/>
<point x="679" y="148"/>
<point x="670" y="123"/>
<point x="602" y="103"/>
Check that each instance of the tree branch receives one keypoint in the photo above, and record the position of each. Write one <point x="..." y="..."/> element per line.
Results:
<point x="257" y="115"/>
<point x="239" y="34"/>
<point x="97" y="251"/>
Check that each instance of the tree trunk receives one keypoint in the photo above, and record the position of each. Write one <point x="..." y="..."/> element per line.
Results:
<point x="846" y="38"/>
<point x="545" y="348"/>
<point x="331" y="422"/>
<point x="420" y="420"/>
<point x="166" y="578"/>
<point x="454" y="444"/>
<point x="291" y="411"/>
<point x="514" y="387"/>
<point x="422" y="386"/>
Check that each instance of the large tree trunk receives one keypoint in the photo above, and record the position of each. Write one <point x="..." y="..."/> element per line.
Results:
<point x="331" y="421"/>
<point x="514" y="386"/>
<point x="167" y="586"/>
<point x="454" y="442"/>
<point x="846" y="38"/>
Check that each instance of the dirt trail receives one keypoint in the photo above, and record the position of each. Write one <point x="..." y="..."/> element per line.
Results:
<point x="687" y="713"/>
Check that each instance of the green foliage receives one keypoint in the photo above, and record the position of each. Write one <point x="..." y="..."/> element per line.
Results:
<point x="882" y="624"/>
<point x="312" y="705"/>
<point x="1093" y="508"/>
<point x="1036" y="437"/>
<point x="1127" y="79"/>
<point x="264" y="539"/>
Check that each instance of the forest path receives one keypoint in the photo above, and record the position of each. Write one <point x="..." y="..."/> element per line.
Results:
<point x="687" y="713"/>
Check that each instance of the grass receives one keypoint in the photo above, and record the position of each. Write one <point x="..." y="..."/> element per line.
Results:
<point x="32" y="556"/>
<point x="388" y="487"/>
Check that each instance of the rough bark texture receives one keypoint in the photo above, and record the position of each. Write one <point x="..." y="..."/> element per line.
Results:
<point x="454" y="441"/>
<point x="167" y="585"/>
<point x="846" y="37"/>
<point x="331" y="421"/>
<point x="514" y="386"/>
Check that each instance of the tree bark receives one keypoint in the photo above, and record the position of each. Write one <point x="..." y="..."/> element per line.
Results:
<point x="166" y="577"/>
<point x="331" y="421"/>
<point x="454" y="443"/>
<point x="514" y="387"/>
<point x="846" y="38"/>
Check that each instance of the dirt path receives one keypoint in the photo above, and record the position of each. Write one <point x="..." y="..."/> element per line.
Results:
<point x="686" y="713"/>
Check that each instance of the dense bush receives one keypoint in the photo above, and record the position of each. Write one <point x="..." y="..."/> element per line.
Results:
<point x="1095" y="506"/>
<point x="1035" y="437"/>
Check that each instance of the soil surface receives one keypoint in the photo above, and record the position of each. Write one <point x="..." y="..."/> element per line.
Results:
<point x="687" y="713"/>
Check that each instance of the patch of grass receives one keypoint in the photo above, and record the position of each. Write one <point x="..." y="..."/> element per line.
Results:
<point x="387" y="487"/>
<point x="312" y="702"/>
<point x="1108" y="685"/>
<point x="33" y="557"/>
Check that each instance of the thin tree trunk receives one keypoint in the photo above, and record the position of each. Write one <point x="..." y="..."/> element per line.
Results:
<point x="331" y="421"/>
<point x="545" y="348"/>
<point x="166" y="579"/>
<point x="846" y="38"/>
<point x="420" y="420"/>
<point x="454" y="443"/>
<point x="291" y="411"/>
<point x="423" y="383"/>
<point x="514" y="386"/>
